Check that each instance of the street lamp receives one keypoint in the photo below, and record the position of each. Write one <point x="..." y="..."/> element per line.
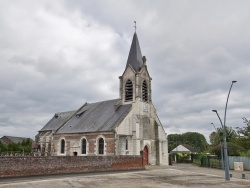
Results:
<point x="227" y="175"/>
<point x="221" y="150"/>
<point x="227" y="102"/>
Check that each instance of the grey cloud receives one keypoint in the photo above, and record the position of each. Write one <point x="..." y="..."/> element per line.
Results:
<point x="56" y="56"/>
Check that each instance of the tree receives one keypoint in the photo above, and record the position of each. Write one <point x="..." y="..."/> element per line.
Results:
<point x="243" y="138"/>
<point x="245" y="154"/>
<point x="193" y="139"/>
<point x="235" y="143"/>
<point x="234" y="149"/>
<point x="216" y="149"/>
<point x="3" y="147"/>
<point x="174" y="140"/>
<point x="217" y="137"/>
<point x="24" y="146"/>
<point x="245" y="130"/>
<point x="243" y="142"/>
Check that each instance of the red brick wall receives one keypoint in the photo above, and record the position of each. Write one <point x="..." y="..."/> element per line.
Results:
<point x="22" y="166"/>
<point x="109" y="138"/>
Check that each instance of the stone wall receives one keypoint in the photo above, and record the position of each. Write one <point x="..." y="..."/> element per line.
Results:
<point x="25" y="166"/>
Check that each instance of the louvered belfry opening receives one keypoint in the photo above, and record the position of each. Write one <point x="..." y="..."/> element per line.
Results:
<point x="144" y="91"/>
<point x="129" y="91"/>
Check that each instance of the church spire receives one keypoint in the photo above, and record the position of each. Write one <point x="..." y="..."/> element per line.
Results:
<point x="135" y="56"/>
<point x="135" y="82"/>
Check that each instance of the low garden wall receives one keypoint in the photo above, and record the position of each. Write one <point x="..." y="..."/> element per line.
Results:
<point x="25" y="166"/>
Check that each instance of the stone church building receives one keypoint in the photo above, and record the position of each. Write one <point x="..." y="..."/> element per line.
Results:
<point x="123" y="126"/>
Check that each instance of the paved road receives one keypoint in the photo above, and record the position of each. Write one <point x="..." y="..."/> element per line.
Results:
<point x="178" y="176"/>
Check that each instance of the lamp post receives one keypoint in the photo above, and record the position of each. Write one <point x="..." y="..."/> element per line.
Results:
<point x="227" y="102"/>
<point x="227" y="175"/>
<point x="221" y="150"/>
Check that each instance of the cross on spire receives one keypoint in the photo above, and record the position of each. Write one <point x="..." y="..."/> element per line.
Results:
<point x="135" y="26"/>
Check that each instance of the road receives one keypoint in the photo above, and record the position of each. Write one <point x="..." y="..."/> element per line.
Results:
<point x="177" y="176"/>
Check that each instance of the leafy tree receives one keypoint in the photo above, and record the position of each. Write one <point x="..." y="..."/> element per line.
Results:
<point x="243" y="138"/>
<point x="214" y="138"/>
<point x="196" y="140"/>
<point x="173" y="141"/>
<point x="193" y="139"/>
<point x="245" y="154"/>
<point x="245" y="130"/>
<point x="216" y="149"/>
<point x="243" y="142"/>
<point x="3" y="147"/>
<point x="217" y="137"/>
<point x="24" y="146"/>
<point x="234" y="149"/>
<point x="235" y="143"/>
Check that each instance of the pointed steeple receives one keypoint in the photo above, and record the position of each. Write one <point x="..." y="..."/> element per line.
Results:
<point x="135" y="57"/>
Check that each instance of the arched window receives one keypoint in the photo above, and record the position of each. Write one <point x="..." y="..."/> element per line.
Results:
<point x="126" y="147"/>
<point x="84" y="146"/>
<point x="144" y="91"/>
<point x="129" y="91"/>
<point x="101" y="146"/>
<point x="62" y="146"/>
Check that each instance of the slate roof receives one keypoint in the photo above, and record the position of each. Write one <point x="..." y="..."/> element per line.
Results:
<point x="57" y="121"/>
<point x="91" y="117"/>
<point x="95" y="117"/>
<point x="135" y="56"/>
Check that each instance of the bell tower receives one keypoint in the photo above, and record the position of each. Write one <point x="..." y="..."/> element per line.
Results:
<point x="135" y="82"/>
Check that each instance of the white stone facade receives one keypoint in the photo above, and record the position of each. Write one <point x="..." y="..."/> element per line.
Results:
<point x="132" y="129"/>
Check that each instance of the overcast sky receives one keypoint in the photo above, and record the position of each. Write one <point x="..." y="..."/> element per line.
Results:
<point x="57" y="55"/>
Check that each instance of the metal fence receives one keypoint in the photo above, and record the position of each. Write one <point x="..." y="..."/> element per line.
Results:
<point x="245" y="160"/>
<point x="216" y="162"/>
<point x="208" y="162"/>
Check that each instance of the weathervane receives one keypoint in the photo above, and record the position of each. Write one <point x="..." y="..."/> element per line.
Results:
<point x="135" y="26"/>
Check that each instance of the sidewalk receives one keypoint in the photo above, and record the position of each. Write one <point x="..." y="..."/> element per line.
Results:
<point x="203" y="170"/>
<point x="176" y="176"/>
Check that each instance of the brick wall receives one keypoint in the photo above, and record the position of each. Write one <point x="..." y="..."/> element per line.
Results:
<point x="73" y="143"/>
<point x="23" y="166"/>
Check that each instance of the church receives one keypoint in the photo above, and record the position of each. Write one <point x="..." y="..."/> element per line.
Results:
<point x="123" y="126"/>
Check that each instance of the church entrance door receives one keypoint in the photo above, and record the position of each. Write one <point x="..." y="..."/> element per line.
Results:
<point x="145" y="155"/>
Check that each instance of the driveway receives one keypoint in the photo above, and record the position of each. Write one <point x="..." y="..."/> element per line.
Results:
<point x="177" y="176"/>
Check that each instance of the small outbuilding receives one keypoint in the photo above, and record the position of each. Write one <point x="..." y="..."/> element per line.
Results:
<point x="182" y="151"/>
